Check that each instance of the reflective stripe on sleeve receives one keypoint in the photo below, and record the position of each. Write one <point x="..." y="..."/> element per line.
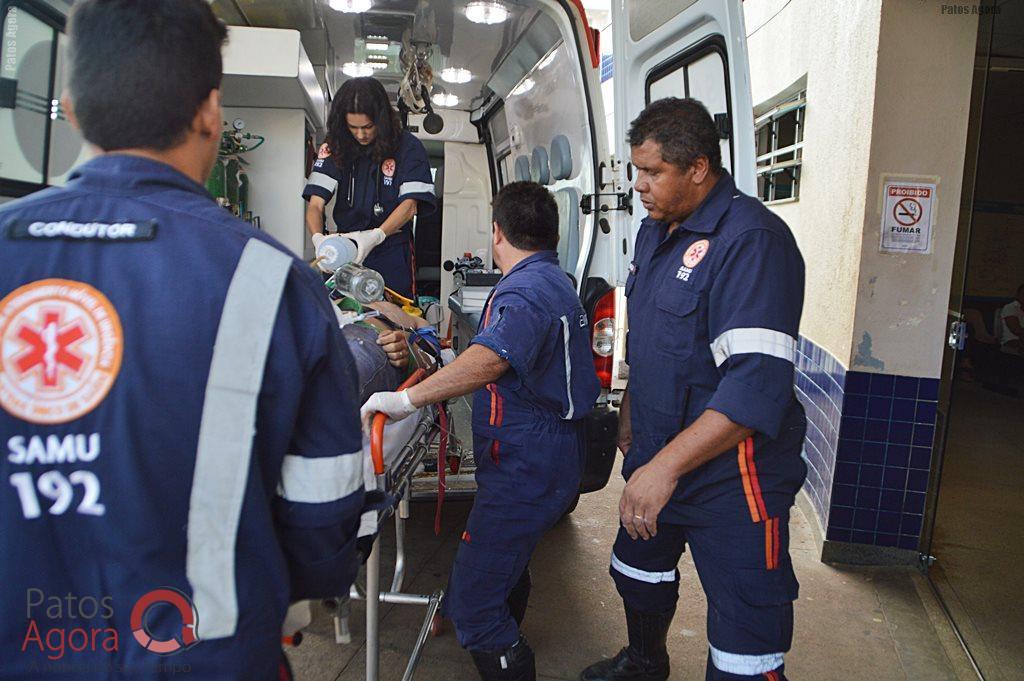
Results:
<point x="323" y="181"/>
<point x="226" y="433"/>
<point x="320" y="480"/>
<point x="415" y="188"/>
<point x="568" y="369"/>
<point x="642" y="575"/>
<point x="753" y="341"/>
<point x="745" y="665"/>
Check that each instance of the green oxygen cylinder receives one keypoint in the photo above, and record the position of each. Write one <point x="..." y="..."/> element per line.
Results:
<point x="232" y="170"/>
<point x="216" y="184"/>
<point x="243" y="192"/>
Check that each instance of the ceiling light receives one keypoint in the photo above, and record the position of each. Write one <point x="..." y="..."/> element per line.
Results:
<point x="349" y="6"/>
<point x="486" y="12"/>
<point x="378" y="65"/>
<point x="442" y="99"/>
<point x="523" y="87"/>
<point x="354" y="70"/>
<point x="454" y="74"/>
<point x="378" y="47"/>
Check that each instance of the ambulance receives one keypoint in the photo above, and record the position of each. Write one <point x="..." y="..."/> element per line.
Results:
<point x="497" y="90"/>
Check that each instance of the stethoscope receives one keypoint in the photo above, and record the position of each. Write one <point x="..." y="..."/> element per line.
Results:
<point x="378" y="208"/>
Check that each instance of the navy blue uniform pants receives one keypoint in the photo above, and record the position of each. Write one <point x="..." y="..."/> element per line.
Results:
<point x="747" y="576"/>
<point x="525" y="483"/>
<point x="395" y="263"/>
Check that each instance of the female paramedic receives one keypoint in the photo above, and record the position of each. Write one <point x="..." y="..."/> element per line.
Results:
<point x="382" y="178"/>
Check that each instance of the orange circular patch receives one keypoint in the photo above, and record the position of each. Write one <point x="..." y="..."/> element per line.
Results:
<point x="324" y="152"/>
<point x="388" y="167"/>
<point x="61" y="344"/>
<point x="695" y="253"/>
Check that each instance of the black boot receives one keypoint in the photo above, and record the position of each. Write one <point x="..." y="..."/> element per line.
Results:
<point x="519" y="596"/>
<point x="514" y="664"/>
<point x="646" y="656"/>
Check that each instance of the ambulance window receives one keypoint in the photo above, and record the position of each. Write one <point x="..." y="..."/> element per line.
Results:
<point x="39" y="144"/>
<point x="25" y="95"/>
<point x="699" y="73"/>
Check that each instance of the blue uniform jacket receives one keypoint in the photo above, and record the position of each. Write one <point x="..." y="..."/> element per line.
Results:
<point x="112" y="291"/>
<point x="714" y="314"/>
<point x="535" y="321"/>
<point x="406" y="176"/>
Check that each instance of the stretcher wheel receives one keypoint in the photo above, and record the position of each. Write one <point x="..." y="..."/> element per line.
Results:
<point x="437" y="626"/>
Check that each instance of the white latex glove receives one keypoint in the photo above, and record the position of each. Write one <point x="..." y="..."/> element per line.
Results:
<point x="396" y="405"/>
<point x="317" y="238"/>
<point x="366" y="241"/>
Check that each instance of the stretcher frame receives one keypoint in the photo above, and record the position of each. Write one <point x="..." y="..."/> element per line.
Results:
<point x="397" y="482"/>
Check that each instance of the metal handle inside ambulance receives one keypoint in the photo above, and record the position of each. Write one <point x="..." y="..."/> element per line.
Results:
<point x="377" y="432"/>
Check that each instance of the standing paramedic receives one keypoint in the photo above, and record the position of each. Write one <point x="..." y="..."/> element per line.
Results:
<point x="710" y="427"/>
<point x="380" y="177"/>
<point x="532" y="371"/>
<point x="178" y="406"/>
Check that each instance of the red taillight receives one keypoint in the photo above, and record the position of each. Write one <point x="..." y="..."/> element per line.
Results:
<point x="602" y="337"/>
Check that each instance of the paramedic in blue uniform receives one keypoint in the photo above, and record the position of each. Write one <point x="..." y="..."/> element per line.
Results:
<point x="710" y="427"/>
<point x="178" y="408"/>
<point x="532" y="371"/>
<point x="379" y="176"/>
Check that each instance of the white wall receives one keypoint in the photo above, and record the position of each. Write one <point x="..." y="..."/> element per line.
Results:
<point x="919" y="128"/>
<point x="888" y="92"/>
<point x="833" y="43"/>
<point x="277" y="172"/>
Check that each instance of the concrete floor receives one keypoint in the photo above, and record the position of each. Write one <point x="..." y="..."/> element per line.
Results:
<point x="979" y="530"/>
<point x="860" y="623"/>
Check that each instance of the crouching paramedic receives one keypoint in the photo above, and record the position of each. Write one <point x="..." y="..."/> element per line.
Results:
<point x="532" y="371"/>
<point x="710" y="427"/>
<point x="178" y="408"/>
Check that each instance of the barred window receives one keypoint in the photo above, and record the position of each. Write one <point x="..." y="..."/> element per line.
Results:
<point x="780" y="142"/>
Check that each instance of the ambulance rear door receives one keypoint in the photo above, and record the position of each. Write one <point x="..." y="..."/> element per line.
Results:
<point x="683" y="48"/>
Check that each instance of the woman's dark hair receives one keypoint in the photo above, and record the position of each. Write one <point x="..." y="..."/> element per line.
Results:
<point x="138" y="71"/>
<point x="363" y="96"/>
<point x="528" y="216"/>
<point x="683" y="129"/>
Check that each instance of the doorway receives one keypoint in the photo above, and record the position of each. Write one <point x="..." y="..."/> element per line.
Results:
<point x="976" y="543"/>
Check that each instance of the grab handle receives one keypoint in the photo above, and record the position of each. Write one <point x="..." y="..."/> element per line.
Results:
<point x="379" y="419"/>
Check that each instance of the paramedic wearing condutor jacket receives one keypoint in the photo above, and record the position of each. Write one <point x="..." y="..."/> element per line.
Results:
<point x="380" y="177"/>
<point x="710" y="426"/>
<point x="179" y="409"/>
<point x="532" y="371"/>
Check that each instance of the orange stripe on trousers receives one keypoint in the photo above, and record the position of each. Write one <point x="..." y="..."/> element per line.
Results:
<point x="748" y="489"/>
<point x="775" y="544"/>
<point x="754" y="484"/>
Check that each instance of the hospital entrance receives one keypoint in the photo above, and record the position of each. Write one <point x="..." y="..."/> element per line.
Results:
<point x="977" y="542"/>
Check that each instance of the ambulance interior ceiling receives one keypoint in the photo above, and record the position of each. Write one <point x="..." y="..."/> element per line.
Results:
<point x="497" y="55"/>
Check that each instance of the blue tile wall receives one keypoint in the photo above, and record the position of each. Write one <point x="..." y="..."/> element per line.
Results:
<point x="868" y="449"/>
<point x="819" y="386"/>
<point x="883" y="459"/>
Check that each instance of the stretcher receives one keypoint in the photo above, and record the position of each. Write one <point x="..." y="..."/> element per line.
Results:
<point x="396" y="452"/>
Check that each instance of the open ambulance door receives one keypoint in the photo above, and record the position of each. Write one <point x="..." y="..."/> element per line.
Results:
<point x="684" y="48"/>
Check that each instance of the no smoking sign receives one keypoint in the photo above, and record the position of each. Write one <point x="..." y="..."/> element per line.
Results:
<point x="907" y="217"/>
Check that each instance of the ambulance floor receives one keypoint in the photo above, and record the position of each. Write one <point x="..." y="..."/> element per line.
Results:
<point x="866" y="623"/>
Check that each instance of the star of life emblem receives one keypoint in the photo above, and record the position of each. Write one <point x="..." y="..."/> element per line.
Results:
<point x="61" y="344"/>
